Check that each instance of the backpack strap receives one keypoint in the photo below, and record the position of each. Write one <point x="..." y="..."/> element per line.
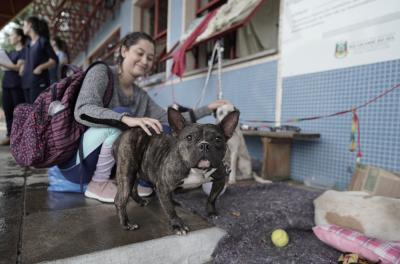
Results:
<point x="67" y="69"/>
<point x="81" y="161"/>
<point x="110" y="86"/>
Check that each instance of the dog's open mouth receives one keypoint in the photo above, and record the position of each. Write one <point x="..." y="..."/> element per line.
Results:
<point x="204" y="164"/>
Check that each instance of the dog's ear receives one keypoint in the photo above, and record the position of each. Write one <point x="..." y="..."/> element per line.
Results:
<point x="229" y="123"/>
<point x="175" y="120"/>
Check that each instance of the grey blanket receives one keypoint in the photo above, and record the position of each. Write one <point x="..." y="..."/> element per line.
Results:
<point x="250" y="213"/>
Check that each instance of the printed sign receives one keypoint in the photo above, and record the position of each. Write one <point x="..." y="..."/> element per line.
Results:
<point x="321" y="35"/>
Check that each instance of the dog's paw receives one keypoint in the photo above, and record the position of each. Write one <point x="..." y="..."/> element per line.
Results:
<point x="212" y="215"/>
<point x="143" y="202"/>
<point x="211" y="210"/>
<point x="181" y="230"/>
<point x="179" y="227"/>
<point x="130" y="227"/>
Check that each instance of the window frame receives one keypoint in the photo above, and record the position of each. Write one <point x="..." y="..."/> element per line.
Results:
<point x="209" y="6"/>
<point x="233" y="27"/>
<point x="217" y="35"/>
<point x="158" y="36"/>
<point x="99" y="54"/>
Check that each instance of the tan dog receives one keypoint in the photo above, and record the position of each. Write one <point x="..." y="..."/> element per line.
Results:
<point x="237" y="156"/>
<point x="375" y="216"/>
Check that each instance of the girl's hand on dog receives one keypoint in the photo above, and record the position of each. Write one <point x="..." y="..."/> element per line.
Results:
<point x="144" y="123"/>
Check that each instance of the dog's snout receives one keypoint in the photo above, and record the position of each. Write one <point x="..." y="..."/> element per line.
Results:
<point x="204" y="147"/>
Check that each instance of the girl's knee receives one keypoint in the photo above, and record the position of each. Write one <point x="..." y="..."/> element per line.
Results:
<point x="96" y="136"/>
<point x="102" y="132"/>
<point x="113" y="135"/>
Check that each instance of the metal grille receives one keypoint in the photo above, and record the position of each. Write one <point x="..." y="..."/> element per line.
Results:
<point x="75" y="21"/>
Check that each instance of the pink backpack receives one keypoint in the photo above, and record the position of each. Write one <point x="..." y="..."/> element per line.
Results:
<point x="42" y="139"/>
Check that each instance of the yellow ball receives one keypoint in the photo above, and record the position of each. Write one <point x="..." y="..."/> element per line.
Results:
<point x="280" y="238"/>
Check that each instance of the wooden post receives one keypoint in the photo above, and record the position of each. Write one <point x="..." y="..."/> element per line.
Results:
<point x="276" y="163"/>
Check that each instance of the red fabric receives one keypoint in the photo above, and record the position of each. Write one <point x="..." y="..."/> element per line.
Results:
<point x="179" y="58"/>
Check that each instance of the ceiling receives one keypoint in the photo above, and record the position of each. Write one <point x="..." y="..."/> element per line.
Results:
<point x="75" y="21"/>
<point x="10" y="8"/>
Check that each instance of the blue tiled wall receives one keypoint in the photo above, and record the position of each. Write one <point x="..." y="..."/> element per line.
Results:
<point x="336" y="90"/>
<point x="251" y="89"/>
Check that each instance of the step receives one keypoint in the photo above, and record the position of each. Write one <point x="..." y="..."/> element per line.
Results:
<point x="41" y="226"/>
<point x="195" y="247"/>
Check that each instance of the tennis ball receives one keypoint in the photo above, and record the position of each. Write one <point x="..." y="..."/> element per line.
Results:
<point x="280" y="238"/>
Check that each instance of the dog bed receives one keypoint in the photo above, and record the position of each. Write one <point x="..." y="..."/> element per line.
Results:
<point x="250" y="212"/>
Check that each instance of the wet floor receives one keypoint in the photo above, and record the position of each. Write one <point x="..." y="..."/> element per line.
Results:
<point x="37" y="225"/>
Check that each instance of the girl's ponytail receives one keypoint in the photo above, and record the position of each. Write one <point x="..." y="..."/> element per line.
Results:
<point x="39" y="26"/>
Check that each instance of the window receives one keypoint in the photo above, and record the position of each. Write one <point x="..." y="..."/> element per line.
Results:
<point x="108" y="50"/>
<point x="207" y="5"/>
<point x="154" y="21"/>
<point x="257" y="35"/>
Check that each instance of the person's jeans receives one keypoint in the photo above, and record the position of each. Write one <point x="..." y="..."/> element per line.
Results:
<point x="11" y="98"/>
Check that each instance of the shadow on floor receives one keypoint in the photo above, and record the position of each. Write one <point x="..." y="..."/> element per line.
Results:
<point x="37" y="225"/>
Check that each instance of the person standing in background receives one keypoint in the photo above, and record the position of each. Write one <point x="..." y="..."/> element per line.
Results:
<point x="61" y="50"/>
<point x="39" y="57"/>
<point x="12" y="90"/>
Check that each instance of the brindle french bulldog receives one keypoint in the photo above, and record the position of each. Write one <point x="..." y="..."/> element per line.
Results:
<point x="165" y="160"/>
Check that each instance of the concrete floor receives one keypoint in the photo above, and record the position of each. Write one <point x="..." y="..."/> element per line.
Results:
<point x="37" y="225"/>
